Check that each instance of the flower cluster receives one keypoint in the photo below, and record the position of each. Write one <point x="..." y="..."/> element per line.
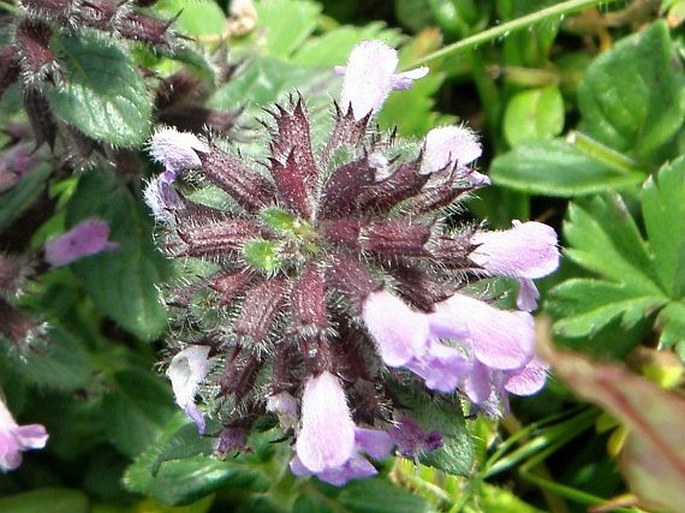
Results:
<point x="313" y="290"/>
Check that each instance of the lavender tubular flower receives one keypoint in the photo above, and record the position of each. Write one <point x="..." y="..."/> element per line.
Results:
<point x="176" y="151"/>
<point x="14" y="439"/>
<point x="87" y="238"/>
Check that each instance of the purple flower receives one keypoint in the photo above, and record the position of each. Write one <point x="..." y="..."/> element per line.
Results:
<point x="400" y="333"/>
<point x="15" y="163"/>
<point x="375" y="443"/>
<point x="186" y="372"/>
<point x="162" y="198"/>
<point x="176" y="151"/>
<point x="285" y="406"/>
<point x="326" y="440"/>
<point x="500" y="339"/>
<point x="449" y="146"/>
<point x="14" y="439"/>
<point x="526" y="251"/>
<point x="86" y="238"/>
<point x="528" y="380"/>
<point x="370" y="76"/>
<point x="441" y="366"/>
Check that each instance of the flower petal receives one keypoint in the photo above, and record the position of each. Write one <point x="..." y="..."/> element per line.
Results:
<point x="374" y="442"/>
<point x="499" y="339"/>
<point x="449" y="145"/>
<point x="187" y="370"/>
<point x="441" y="366"/>
<point x="86" y="238"/>
<point x="400" y="333"/>
<point x="528" y="380"/>
<point x="176" y="150"/>
<point x="326" y="440"/>
<point x="528" y="250"/>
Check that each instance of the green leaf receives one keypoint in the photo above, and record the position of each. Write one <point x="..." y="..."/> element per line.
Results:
<point x="380" y="496"/>
<point x="197" y="18"/>
<point x="500" y="500"/>
<point x="556" y="168"/>
<point x="62" y="364"/>
<point x="587" y="305"/>
<point x="17" y="199"/>
<point x="139" y="406"/>
<point x="123" y="282"/>
<point x="671" y="322"/>
<point x="437" y="414"/>
<point x="534" y="115"/>
<point x="287" y="24"/>
<point x="183" y="481"/>
<point x="605" y="239"/>
<point x="54" y="500"/>
<point x="334" y="47"/>
<point x="104" y="94"/>
<point x="663" y="207"/>
<point x="631" y="96"/>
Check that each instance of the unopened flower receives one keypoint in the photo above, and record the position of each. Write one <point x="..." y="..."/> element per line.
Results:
<point x="15" y="163"/>
<point x="14" y="439"/>
<point x="176" y="151"/>
<point x="455" y="147"/>
<point x="87" y="238"/>
<point x="370" y="76"/>
<point x="527" y="251"/>
<point x="187" y="370"/>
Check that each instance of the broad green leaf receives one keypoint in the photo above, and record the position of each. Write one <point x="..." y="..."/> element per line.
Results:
<point x="631" y="96"/>
<point x="61" y="364"/>
<point x="556" y="168"/>
<point x="653" y="458"/>
<point x="663" y="205"/>
<point x="139" y="407"/>
<point x="457" y="452"/>
<point x="197" y="17"/>
<point x="287" y="23"/>
<point x="266" y="80"/>
<point x="380" y="496"/>
<point x="123" y="282"/>
<point x="534" y="115"/>
<point x="17" y="199"/>
<point x="587" y="305"/>
<point x="334" y="47"/>
<point x="54" y="500"/>
<point x="104" y="94"/>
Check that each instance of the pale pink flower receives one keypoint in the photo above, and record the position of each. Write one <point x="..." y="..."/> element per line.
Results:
<point x="86" y="238"/>
<point x="14" y="439"/>
<point x="370" y="76"/>
<point x="186" y="372"/>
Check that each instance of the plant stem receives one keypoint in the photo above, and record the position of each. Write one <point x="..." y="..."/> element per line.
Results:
<point x="504" y="29"/>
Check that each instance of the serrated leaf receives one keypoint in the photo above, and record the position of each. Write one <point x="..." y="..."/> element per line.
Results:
<point x="456" y="454"/>
<point x="556" y="168"/>
<point x="183" y="481"/>
<point x="587" y="305"/>
<point x="671" y="322"/>
<point x="534" y="115"/>
<point x="287" y="24"/>
<point x="139" y="407"/>
<point x="14" y="201"/>
<point x="605" y="239"/>
<point x="663" y="206"/>
<point x="104" y="94"/>
<point x="631" y="96"/>
<point x="123" y="282"/>
<point x="54" y="500"/>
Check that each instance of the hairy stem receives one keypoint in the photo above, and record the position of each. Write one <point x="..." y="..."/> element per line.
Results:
<point x="504" y="29"/>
